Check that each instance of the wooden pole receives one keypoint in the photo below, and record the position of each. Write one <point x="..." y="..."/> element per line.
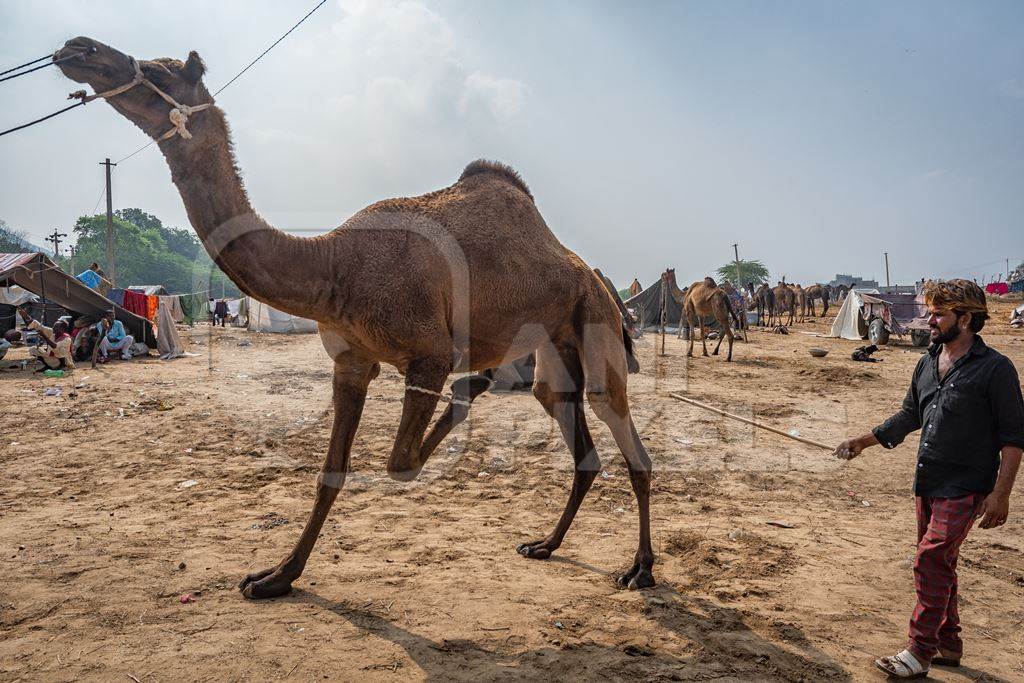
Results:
<point x="111" y="266"/>
<point x="755" y="423"/>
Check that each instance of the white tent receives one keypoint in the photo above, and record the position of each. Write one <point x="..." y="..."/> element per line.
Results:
<point x="264" y="318"/>
<point x="849" y="324"/>
<point x="16" y="296"/>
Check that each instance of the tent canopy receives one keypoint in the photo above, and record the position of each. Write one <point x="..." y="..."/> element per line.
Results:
<point x="264" y="318"/>
<point x="648" y="304"/>
<point x="41" y="276"/>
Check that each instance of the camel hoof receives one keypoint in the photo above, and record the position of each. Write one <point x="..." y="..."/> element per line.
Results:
<point x="636" y="578"/>
<point x="536" y="550"/>
<point x="269" y="583"/>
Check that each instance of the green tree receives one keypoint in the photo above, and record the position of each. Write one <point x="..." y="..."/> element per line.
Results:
<point x="148" y="253"/>
<point x="11" y="241"/>
<point x="749" y="271"/>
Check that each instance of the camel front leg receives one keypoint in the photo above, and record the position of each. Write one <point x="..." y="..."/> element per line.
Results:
<point x="351" y="378"/>
<point x="703" y="336"/>
<point x="424" y="379"/>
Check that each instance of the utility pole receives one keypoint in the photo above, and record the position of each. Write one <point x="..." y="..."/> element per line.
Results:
<point x="886" y="270"/>
<point x="1007" y="270"/>
<point x="739" y="288"/>
<point x="111" y="267"/>
<point x="73" y="250"/>
<point x="54" y="238"/>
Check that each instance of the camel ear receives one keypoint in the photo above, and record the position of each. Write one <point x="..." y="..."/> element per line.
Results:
<point x="194" y="68"/>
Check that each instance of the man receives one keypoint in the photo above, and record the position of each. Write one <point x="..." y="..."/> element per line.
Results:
<point x="54" y="348"/>
<point x="220" y="312"/>
<point x="967" y="398"/>
<point x="112" y="337"/>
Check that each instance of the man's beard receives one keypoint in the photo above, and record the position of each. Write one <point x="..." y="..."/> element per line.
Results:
<point x="947" y="336"/>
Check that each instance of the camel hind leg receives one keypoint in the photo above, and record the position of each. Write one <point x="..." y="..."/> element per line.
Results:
<point x="558" y="386"/>
<point x="605" y="381"/>
<point x="606" y="394"/>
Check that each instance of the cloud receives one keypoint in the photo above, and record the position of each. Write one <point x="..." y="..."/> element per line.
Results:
<point x="411" y="58"/>
<point x="1012" y="88"/>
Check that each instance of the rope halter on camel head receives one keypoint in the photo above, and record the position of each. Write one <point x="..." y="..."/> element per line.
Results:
<point x="178" y="114"/>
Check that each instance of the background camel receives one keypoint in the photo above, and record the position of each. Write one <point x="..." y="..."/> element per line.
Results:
<point x="800" y="300"/>
<point x="815" y="292"/>
<point x="468" y="277"/>
<point x="668" y="280"/>
<point x="764" y="299"/>
<point x="785" y="302"/>
<point x="705" y="298"/>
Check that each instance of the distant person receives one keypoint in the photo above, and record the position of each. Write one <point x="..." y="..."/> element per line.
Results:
<point x="54" y="348"/>
<point x="220" y="313"/>
<point x="95" y="267"/>
<point x="967" y="398"/>
<point x="112" y="337"/>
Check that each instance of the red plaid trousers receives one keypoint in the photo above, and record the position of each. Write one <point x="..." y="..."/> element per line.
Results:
<point x="942" y="525"/>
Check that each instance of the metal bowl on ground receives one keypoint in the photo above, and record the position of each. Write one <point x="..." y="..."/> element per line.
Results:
<point x="818" y="353"/>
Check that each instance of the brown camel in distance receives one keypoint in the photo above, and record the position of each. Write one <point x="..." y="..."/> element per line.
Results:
<point x="703" y="299"/>
<point x="800" y="300"/>
<point x="466" y="278"/>
<point x="668" y="279"/>
<point x="785" y="302"/>
<point x="764" y="299"/>
<point x="815" y="292"/>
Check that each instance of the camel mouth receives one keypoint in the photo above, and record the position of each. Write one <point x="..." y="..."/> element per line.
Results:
<point x="87" y="61"/>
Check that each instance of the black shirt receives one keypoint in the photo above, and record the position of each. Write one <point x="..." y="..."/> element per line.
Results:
<point x="967" y="418"/>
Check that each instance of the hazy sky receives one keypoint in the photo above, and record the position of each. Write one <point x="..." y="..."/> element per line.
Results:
<point x="817" y="135"/>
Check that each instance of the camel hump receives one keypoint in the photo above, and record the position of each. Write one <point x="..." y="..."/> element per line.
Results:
<point x="710" y="281"/>
<point x="505" y="171"/>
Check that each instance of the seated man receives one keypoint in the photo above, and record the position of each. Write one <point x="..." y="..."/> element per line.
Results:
<point x="54" y="348"/>
<point x="112" y="338"/>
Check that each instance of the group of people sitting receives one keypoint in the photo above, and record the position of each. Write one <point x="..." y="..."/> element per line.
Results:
<point x="60" y="346"/>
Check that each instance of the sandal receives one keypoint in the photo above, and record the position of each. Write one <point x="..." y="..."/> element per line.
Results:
<point x="903" y="665"/>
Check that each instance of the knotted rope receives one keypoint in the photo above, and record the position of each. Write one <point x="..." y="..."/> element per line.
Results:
<point x="178" y="114"/>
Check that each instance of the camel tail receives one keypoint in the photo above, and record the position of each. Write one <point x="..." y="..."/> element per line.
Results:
<point x="632" y="363"/>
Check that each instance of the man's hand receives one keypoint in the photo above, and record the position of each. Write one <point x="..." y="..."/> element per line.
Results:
<point x="994" y="510"/>
<point x="849" y="449"/>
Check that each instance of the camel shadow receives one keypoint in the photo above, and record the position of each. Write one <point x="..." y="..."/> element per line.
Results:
<point x="720" y="644"/>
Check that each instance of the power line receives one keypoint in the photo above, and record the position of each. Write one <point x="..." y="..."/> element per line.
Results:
<point x="239" y="74"/>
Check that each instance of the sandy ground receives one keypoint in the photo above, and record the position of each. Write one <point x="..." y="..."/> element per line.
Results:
<point x="101" y="533"/>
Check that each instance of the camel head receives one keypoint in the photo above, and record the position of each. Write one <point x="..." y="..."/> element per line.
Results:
<point x="104" y="68"/>
<point x="669" y="275"/>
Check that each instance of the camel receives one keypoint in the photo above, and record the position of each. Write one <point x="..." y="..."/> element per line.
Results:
<point x="466" y="278"/>
<point x="815" y="292"/>
<point x="703" y="299"/>
<point x="764" y="299"/>
<point x="800" y="300"/>
<point x="668" y="280"/>
<point x="785" y="302"/>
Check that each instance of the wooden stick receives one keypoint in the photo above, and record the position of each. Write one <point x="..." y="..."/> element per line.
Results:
<point x="755" y="423"/>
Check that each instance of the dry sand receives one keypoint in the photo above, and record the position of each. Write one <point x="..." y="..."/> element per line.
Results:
<point x="99" y="536"/>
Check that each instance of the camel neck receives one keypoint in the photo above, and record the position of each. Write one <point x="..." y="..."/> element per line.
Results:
<point x="272" y="266"/>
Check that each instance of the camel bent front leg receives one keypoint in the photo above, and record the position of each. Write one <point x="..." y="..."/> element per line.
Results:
<point x="351" y="378"/>
<point x="566" y="407"/>
<point x="424" y="379"/>
<point x="464" y="390"/>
